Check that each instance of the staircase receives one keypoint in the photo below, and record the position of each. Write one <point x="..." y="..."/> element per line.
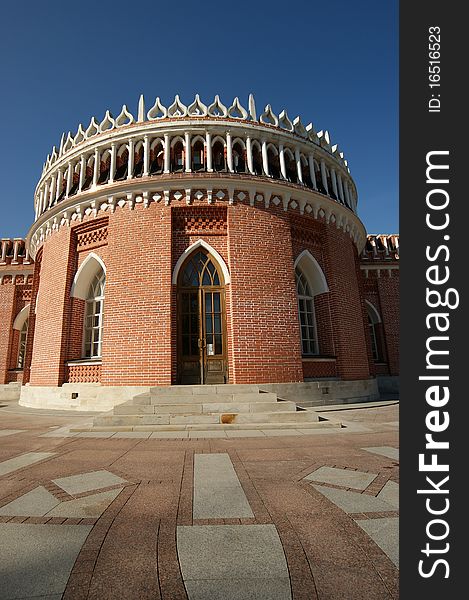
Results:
<point x="206" y="407"/>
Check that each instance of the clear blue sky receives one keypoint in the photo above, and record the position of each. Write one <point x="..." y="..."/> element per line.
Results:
<point x="334" y="63"/>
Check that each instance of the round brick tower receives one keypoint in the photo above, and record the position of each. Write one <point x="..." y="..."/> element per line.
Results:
<point x="199" y="244"/>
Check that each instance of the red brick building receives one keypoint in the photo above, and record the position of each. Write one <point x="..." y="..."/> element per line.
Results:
<point x="196" y="244"/>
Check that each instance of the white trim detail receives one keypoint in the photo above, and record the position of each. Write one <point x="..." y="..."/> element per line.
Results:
<point x="373" y="313"/>
<point x="313" y="272"/>
<point x="210" y="250"/>
<point x="21" y="317"/>
<point x="88" y="269"/>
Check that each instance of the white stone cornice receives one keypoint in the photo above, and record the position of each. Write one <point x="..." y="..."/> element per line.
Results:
<point x="107" y="198"/>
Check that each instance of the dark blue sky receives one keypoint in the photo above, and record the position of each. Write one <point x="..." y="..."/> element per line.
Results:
<point x="334" y="63"/>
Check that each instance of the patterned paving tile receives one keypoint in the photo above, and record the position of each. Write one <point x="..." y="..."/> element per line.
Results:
<point x="387" y="451"/>
<point x="86" y="482"/>
<point x="343" y="477"/>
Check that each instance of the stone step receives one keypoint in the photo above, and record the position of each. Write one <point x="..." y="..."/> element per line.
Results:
<point x="208" y="408"/>
<point x="244" y="397"/>
<point x="214" y="427"/>
<point x="193" y="390"/>
<point x="225" y="418"/>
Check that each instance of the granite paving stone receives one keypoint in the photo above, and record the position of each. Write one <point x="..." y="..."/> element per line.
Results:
<point x="390" y="494"/>
<point x="217" y="490"/>
<point x="353" y="502"/>
<point x="37" y="559"/>
<point x="85" y="482"/>
<point x="85" y="507"/>
<point x="385" y="532"/>
<point x="343" y="477"/>
<point x="239" y="589"/>
<point x="5" y="432"/>
<point x="222" y="556"/>
<point x="35" y="503"/>
<point x="23" y="460"/>
<point x="387" y="451"/>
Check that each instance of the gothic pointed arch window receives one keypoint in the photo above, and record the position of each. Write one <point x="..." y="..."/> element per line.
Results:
<point x="374" y="321"/>
<point x="22" y="345"/>
<point x="94" y="310"/>
<point x="307" y="317"/>
<point x="310" y="282"/>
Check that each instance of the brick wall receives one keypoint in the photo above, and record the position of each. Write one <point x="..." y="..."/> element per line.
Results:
<point x="346" y="305"/>
<point x="140" y="248"/>
<point x="137" y="319"/>
<point x="7" y="305"/>
<point x="389" y="298"/>
<point x="53" y="310"/>
<point x="264" y="318"/>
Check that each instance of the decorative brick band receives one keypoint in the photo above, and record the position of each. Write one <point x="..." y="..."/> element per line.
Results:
<point x="83" y="373"/>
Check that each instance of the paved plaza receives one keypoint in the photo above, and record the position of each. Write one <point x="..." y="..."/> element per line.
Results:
<point x="298" y="514"/>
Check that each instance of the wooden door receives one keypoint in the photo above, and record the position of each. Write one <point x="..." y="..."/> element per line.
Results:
<point x="202" y="354"/>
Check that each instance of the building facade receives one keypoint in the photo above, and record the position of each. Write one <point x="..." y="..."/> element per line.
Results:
<point x="200" y="244"/>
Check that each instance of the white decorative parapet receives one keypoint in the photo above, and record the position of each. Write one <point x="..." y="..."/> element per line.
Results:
<point x="129" y="159"/>
<point x="90" y="144"/>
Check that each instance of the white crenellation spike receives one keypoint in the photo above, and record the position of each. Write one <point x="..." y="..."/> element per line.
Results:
<point x="197" y="108"/>
<point x="252" y="107"/>
<point x="61" y="147"/>
<point x="157" y="111"/>
<point x="93" y="128"/>
<point x="312" y="135"/>
<point x="125" y="118"/>
<point x="236" y="111"/>
<point x="268" y="117"/>
<point x="68" y="143"/>
<point x="80" y="135"/>
<point x="299" y="127"/>
<point x="107" y="123"/>
<point x="54" y="155"/>
<point x="141" y="109"/>
<point x="177" y="108"/>
<point x="217" y="109"/>
<point x="284" y="122"/>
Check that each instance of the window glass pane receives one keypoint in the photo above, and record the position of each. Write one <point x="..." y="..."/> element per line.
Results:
<point x="217" y="323"/>
<point x="208" y="303"/>
<point x="208" y="324"/>
<point x="218" y="345"/>
<point x="185" y="345"/>
<point x="216" y="302"/>
<point x="194" y="345"/>
<point x="194" y="323"/>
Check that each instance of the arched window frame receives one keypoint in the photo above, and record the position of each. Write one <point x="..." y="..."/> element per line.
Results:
<point x="306" y="314"/>
<point x="239" y="157"/>
<point x="23" y="337"/>
<point x="373" y="320"/>
<point x="219" y="141"/>
<point x="309" y="267"/>
<point x="93" y="322"/>
<point x="91" y="272"/>
<point x="20" y="324"/>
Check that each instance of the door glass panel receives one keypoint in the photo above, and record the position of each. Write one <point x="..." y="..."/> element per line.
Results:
<point x="200" y="317"/>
